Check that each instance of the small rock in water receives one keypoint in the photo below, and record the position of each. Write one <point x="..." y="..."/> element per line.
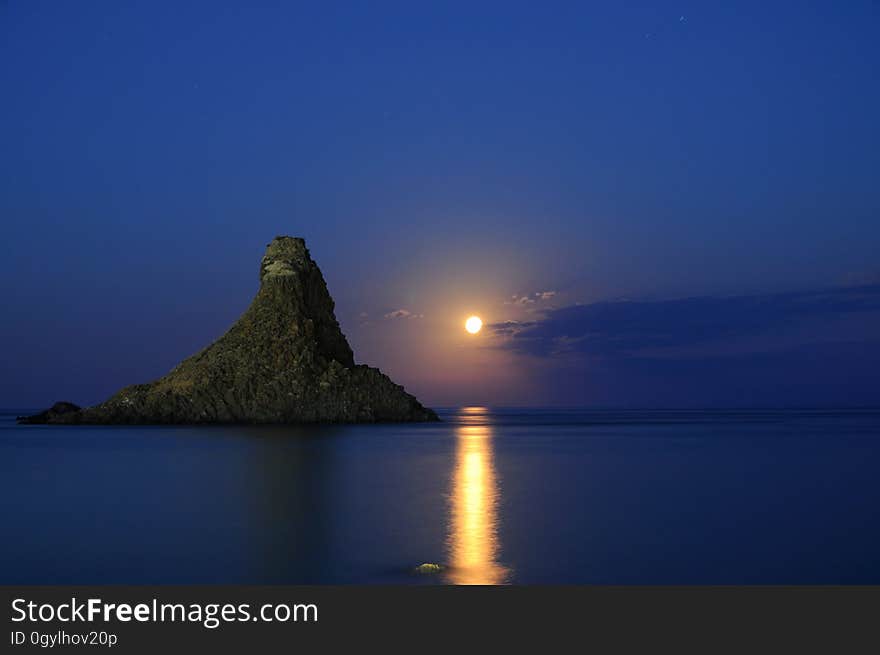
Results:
<point x="58" y="409"/>
<point x="428" y="567"/>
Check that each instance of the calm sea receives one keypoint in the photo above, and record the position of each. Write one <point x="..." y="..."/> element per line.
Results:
<point x="493" y="496"/>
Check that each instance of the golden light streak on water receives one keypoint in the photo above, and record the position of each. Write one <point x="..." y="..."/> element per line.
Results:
<point x="473" y="527"/>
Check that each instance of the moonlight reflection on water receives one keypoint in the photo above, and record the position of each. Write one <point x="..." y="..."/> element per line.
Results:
<point x="473" y="526"/>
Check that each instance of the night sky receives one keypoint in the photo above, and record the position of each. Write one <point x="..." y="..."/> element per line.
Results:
<point x="649" y="204"/>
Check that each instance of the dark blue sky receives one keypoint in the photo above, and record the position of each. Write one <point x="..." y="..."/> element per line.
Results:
<point x="442" y="159"/>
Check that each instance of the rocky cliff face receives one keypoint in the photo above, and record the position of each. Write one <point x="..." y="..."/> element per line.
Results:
<point x="284" y="361"/>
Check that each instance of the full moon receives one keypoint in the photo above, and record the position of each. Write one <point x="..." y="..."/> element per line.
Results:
<point x="473" y="324"/>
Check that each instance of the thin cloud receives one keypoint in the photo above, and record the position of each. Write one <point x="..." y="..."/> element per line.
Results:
<point x="530" y="298"/>
<point x="510" y="328"/>
<point x="402" y="313"/>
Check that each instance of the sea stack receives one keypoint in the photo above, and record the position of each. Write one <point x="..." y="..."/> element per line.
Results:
<point x="284" y="361"/>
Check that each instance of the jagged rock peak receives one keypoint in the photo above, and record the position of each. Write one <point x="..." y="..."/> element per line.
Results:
<point x="292" y="284"/>
<point x="284" y="257"/>
<point x="285" y="360"/>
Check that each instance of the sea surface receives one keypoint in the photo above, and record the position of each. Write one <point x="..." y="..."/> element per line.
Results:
<point x="493" y="496"/>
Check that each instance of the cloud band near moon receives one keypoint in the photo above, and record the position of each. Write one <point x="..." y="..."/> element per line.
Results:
<point x="791" y="347"/>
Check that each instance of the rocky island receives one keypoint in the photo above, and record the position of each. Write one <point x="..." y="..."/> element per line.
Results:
<point x="284" y="361"/>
